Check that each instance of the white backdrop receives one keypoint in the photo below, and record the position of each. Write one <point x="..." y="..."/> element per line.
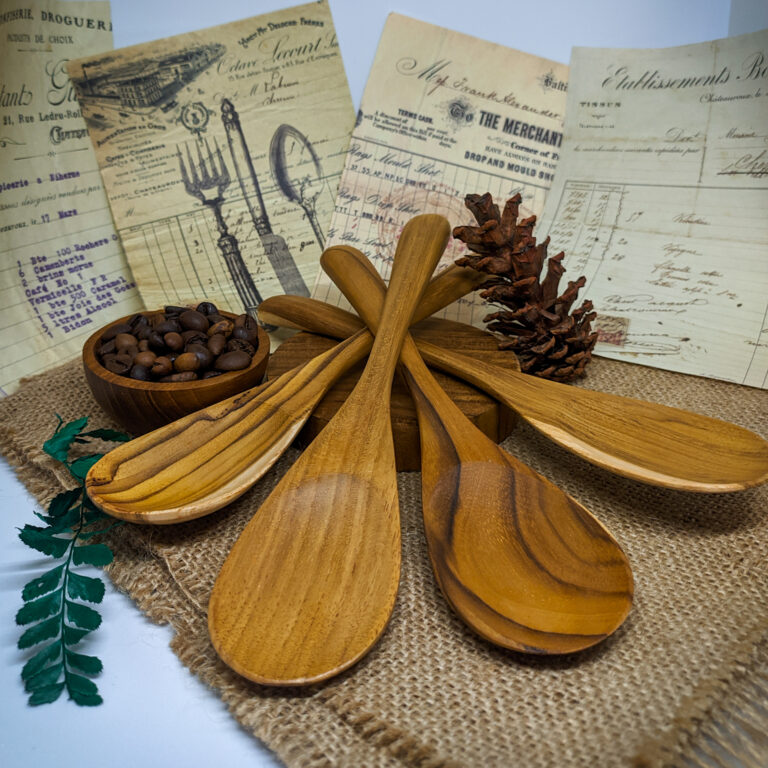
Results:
<point x="155" y="713"/>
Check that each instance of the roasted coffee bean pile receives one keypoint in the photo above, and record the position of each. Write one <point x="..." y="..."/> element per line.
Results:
<point x="179" y="344"/>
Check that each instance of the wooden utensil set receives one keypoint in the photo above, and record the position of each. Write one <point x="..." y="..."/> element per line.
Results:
<point x="310" y="584"/>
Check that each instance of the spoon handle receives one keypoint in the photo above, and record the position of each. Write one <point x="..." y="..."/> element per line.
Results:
<point x="419" y="248"/>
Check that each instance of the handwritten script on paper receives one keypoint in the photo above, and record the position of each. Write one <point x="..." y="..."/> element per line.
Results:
<point x="444" y="115"/>
<point x="660" y="200"/>
<point x="221" y="152"/>
<point x="63" y="274"/>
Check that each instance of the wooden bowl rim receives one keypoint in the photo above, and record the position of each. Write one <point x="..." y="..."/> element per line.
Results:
<point x="113" y="379"/>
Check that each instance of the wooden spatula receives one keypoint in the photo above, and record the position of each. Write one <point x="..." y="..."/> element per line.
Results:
<point x="652" y="443"/>
<point x="310" y="584"/>
<point x="521" y="562"/>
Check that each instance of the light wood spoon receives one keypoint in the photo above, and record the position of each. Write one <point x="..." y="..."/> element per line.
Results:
<point x="521" y="562"/>
<point x="310" y="584"/>
<point x="651" y="443"/>
<point x="205" y="460"/>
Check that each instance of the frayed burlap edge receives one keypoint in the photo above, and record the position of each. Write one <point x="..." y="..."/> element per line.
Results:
<point x="723" y="722"/>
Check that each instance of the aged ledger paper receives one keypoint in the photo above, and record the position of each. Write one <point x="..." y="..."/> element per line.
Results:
<point x="221" y="152"/>
<point x="445" y="115"/>
<point x="661" y="200"/>
<point x="63" y="273"/>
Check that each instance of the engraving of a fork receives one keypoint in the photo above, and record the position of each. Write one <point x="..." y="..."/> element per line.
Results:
<point x="200" y="181"/>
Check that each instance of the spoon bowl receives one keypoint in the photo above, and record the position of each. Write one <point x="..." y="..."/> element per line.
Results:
<point x="310" y="584"/>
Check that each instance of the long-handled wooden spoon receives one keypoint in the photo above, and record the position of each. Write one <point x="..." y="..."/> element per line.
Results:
<point x="521" y="562"/>
<point x="205" y="460"/>
<point x="654" y="444"/>
<point x="310" y="584"/>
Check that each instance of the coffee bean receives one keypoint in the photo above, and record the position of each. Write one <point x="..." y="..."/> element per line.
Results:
<point x="140" y="372"/>
<point x="173" y="341"/>
<point x="143" y="345"/>
<point x="156" y="342"/>
<point x="212" y="374"/>
<point x="223" y="327"/>
<point x="145" y="358"/>
<point x="217" y="344"/>
<point x="241" y="344"/>
<point x="162" y="367"/>
<point x="119" y="367"/>
<point x="194" y="337"/>
<point x="107" y="348"/>
<point x="251" y="335"/>
<point x="187" y="361"/>
<point x="184" y="376"/>
<point x="192" y="320"/>
<point x="207" y="308"/>
<point x="171" y="310"/>
<point x="246" y="321"/>
<point x="203" y="354"/>
<point x="168" y="326"/>
<point x="233" y="361"/>
<point x="125" y="340"/>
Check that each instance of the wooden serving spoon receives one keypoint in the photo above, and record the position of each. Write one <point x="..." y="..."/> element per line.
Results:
<point x="310" y="584"/>
<point x="521" y="562"/>
<point x="651" y="443"/>
<point x="205" y="460"/>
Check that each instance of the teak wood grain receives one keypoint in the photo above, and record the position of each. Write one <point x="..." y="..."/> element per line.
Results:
<point x="205" y="460"/>
<point x="652" y="443"/>
<point x="521" y="562"/>
<point x="310" y="584"/>
<point x="493" y="418"/>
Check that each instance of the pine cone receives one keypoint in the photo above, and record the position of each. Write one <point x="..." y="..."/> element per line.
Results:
<point x="549" y="340"/>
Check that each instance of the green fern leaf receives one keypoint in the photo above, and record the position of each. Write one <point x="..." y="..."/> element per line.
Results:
<point x="58" y="445"/>
<point x="44" y="541"/>
<point x="46" y="695"/>
<point x="42" y="608"/>
<point x="86" y="699"/>
<point x="48" y="654"/>
<point x="63" y="502"/>
<point x="42" y="584"/>
<point x="73" y="635"/>
<point x="82" y="616"/>
<point x="44" y="678"/>
<point x="85" y="588"/>
<point x="92" y="554"/>
<point x="79" y="467"/>
<point x="45" y="630"/>
<point x="88" y="664"/>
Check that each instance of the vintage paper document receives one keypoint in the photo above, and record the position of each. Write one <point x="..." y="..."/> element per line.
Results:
<point x="63" y="274"/>
<point x="661" y="200"/>
<point x="221" y="152"/>
<point x="445" y="115"/>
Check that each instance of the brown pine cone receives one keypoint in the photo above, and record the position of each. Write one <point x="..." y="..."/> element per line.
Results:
<point x="549" y="340"/>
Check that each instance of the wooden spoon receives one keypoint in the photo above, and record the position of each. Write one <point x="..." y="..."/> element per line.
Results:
<point x="525" y="565"/>
<point x="205" y="460"/>
<point x="310" y="584"/>
<point x="652" y="443"/>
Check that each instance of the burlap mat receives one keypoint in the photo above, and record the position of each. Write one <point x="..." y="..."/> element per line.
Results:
<point x="683" y="682"/>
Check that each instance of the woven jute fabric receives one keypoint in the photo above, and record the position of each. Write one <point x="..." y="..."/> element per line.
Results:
<point x="683" y="682"/>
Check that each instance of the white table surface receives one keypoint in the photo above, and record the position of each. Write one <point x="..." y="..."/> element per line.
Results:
<point x="155" y="713"/>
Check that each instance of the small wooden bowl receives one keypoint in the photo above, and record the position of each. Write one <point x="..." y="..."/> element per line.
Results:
<point x="141" y="406"/>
